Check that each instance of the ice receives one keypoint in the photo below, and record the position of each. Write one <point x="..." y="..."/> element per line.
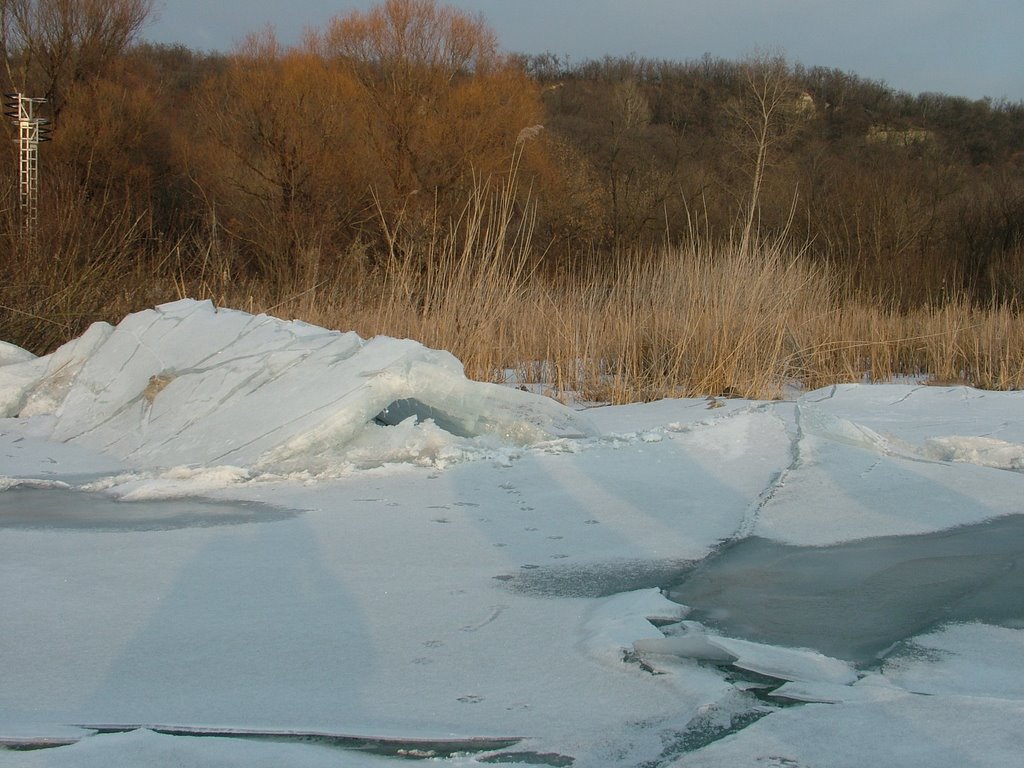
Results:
<point x="38" y="385"/>
<point x="155" y="750"/>
<point x="871" y="483"/>
<point x="25" y="452"/>
<point x="171" y="483"/>
<point x="695" y="644"/>
<point x="915" y="413"/>
<point x="904" y="418"/>
<point x="908" y="730"/>
<point x="985" y="451"/>
<point x="9" y="354"/>
<point x="796" y="664"/>
<point x="217" y="521"/>
<point x="814" y="692"/>
<point x="970" y="659"/>
<point x="186" y="384"/>
<point x="616" y="623"/>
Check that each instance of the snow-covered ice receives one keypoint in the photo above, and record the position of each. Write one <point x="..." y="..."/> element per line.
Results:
<point x="212" y="522"/>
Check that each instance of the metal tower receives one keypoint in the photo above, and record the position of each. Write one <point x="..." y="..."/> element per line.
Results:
<point x="31" y="131"/>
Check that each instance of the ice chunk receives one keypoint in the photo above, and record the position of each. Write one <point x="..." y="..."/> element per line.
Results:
<point x="39" y="384"/>
<point x="986" y="451"/>
<point x="692" y="645"/>
<point x="818" y="422"/>
<point x="10" y="354"/>
<point x="818" y="693"/>
<point x="796" y="664"/>
<point x="188" y="384"/>
<point x="27" y="738"/>
<point x="873" y="687"/>
<point x="617" y="622"/>
<point x="983" y="450"/>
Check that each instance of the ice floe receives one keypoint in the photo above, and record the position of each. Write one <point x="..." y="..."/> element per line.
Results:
<point x="188" y="384"/>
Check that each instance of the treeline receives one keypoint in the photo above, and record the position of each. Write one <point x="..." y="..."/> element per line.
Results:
<point x="176" y="171"/>
<point x="912" y="196"/>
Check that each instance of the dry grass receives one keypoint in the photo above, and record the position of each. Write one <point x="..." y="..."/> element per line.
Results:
<point x="90" y="261"/>
<point x="683" y="321"/>
<point x="954" y="343"/>
<point x="698" y="319"/>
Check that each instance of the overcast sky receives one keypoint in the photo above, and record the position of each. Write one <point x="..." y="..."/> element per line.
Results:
<point x="970" y="48"/>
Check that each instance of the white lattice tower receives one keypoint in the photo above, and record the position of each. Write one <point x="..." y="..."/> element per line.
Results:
<point x="31" y="130"/>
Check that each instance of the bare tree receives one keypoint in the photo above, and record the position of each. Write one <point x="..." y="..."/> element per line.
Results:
<point x="764" y="113"/>
<point x="50" y="45"/>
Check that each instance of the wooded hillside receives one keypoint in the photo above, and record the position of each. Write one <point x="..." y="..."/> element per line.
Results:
<point x="279" y="170"/>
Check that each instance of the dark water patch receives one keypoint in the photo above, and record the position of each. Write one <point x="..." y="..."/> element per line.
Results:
<point x="855" y="601"/>
<point x="63" y="509"/>
<point x="709" y="726"/>
<point x="530" y="758"/>
<point x="402" y="409"/>
<point x="34" y="744"/>
<point x="416" y="749"/>
<point x="595" y="579"/>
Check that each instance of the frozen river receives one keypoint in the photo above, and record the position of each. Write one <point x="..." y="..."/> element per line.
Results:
<point x="219" y="524"/>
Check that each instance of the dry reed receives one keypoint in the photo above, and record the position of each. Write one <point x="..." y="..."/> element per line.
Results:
<point x="690" y="320"/>
<point x="683" y="320"/>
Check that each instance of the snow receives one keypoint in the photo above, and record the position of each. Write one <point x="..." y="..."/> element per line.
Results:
<point x="877" y="483"/>
<point x="970" y="659"/>
<point x="907" y="730"/>
<point x="214" y="522"/>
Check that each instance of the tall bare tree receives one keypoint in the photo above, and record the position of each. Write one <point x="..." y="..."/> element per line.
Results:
<point x="50" y="45"/>
<point x="764" y="114"/>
